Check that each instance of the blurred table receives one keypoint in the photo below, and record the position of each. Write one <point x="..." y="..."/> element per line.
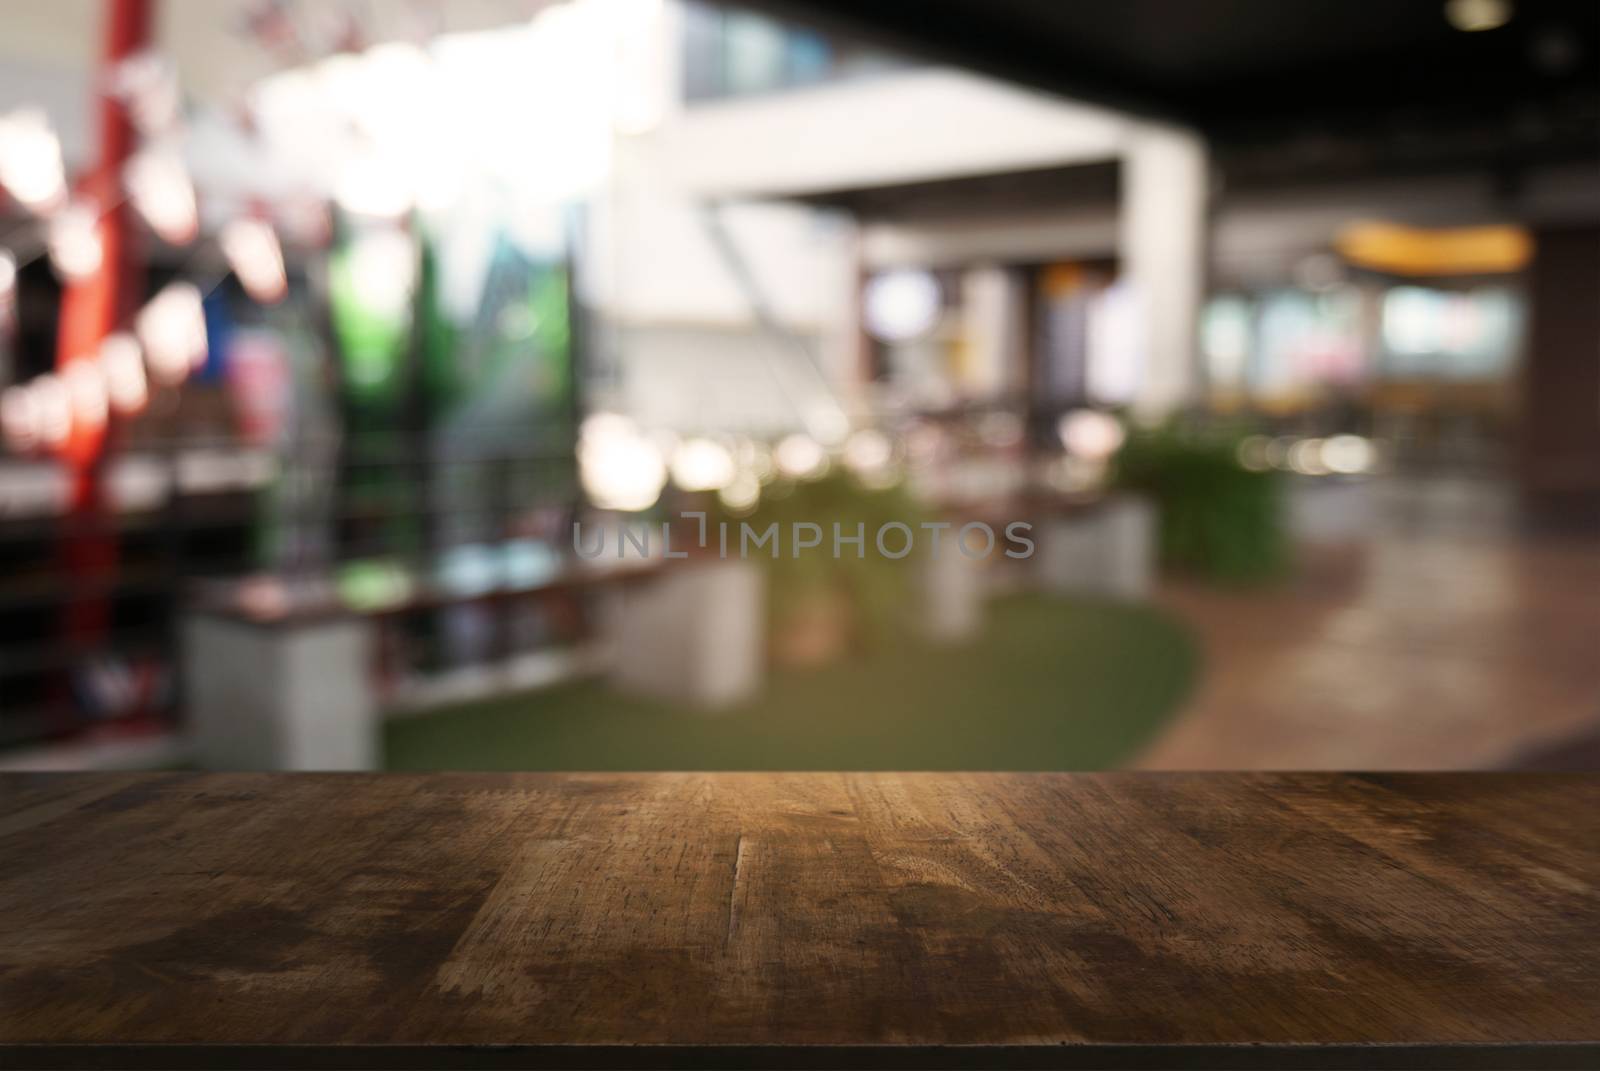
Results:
<point x="284" y="673"/>
<point x="800" y="920"/>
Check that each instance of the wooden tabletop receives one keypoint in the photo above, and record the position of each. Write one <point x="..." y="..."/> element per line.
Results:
<point x="800" y="920"/>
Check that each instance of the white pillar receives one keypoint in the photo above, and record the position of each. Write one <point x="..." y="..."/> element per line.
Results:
<point x="1163" y="250"/>
<point x="952" y="593"/>
<point x="1109" y="550"/>
<point x="996" y="320"/>
<point x="696" y="634"/>
<point x="290" y="695"/>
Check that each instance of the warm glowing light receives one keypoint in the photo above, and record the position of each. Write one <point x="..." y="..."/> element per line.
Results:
<point x="372" y="187"/>
<point x="52" y="410"/>
<point x="172" y="329"/>
<point x="86" y="392"/>
<point x="1305" y="457"/>
<point x="1253" y="453"/>
<point x="868" y="452"/>
<point x="1348" y="454"/>
<point x="383" y="270"/>
<point x="148" y="84"/>
<point x="256" y="257"/>
<point x="756" y="458"/>
<point x="1402" y="250"/>
<point x="901" y="305"/>
<point x="1475" y="16"/>
<point x="74" y="240"/>
<point x="702" y="465"/>
<point x="1090" y="434"/>
<point x="162" y="193"/>
<point x="18" y="421"/>
<point x="30" y="161"/>
<point x="619" y="467"/>
<point x="743" y="494"/>
<point x="122" y="363"/>
<point x="801" y="457"/>
<point x="8" y="289"/>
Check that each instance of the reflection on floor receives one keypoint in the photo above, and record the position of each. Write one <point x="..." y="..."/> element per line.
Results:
<point x="1442" y="638"/>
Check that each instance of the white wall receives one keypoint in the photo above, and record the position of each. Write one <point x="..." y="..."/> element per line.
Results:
<point x="209" y="40"/>
<point x="902" y="127"/>
<point x="686" y="340"/>
<point x="1026" y="236"/>
<point x="1164" y="233"/>
<point x="689" y="348"/>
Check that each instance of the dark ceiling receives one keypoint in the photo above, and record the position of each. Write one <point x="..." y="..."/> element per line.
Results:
<point x="975" y="196"/>
<point x="1380" y="84"/>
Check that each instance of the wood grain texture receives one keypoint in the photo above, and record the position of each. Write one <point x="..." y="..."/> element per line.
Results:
<point x="800" y="919"/>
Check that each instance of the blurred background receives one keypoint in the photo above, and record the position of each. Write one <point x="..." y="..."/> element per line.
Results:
<point x="322" y="323"/>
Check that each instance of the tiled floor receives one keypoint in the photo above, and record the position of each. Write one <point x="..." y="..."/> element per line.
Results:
<point x="1439" y="638"/>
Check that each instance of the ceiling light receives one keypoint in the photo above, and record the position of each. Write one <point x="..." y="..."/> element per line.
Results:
<point x="74" y="241"/>
<point x="702" y="465"/>
<point x="122" y="362"/>
<point x="801" y="457"/>
<point x="1475" y="16"/>
<point x="52" y="410"/>
<point x="30" y="161"/>
<point x="162" y="193"/>
<point x="172" y="329"/>
<point x="256" y="257"/>
<point x="1089" y="433"/>
<point x="86" y="392"/>
<point x="619" y="467"/>
<point x="901" y="305"/>
<point x="1401" y="250"/>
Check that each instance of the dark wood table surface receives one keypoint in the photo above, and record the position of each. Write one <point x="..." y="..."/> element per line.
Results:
<point x="800" y="920"/>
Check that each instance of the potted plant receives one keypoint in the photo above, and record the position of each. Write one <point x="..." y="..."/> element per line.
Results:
<point x="821" y="604"/>
<point x="1218" y="519"/>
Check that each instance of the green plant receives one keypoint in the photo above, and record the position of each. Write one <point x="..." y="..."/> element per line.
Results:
<point x="876" y="589"/>
<point x="1218" y="519"/>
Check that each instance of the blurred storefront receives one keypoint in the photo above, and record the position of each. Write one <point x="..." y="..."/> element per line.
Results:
<point x="400" y="293"/>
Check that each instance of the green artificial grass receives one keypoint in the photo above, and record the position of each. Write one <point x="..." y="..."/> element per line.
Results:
<point x="1050" y="685"/>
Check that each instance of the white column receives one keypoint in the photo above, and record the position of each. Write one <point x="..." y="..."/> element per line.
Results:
<point x="996" y="329"/>
<point x="1163" y="251"/>
<point x="292" y="695"/>
<point x="1109" y="550"/>
<point x="952" y="593"/>
<point x="696" y="634"/>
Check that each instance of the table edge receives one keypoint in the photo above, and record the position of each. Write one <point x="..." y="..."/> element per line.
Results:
<point x="1068" y="1056"/>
